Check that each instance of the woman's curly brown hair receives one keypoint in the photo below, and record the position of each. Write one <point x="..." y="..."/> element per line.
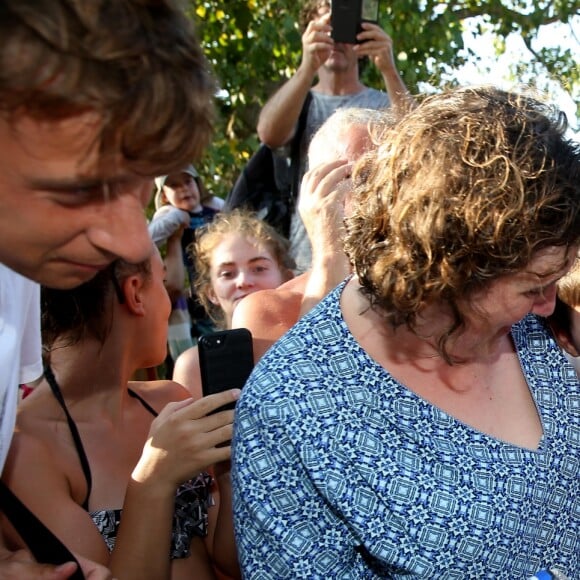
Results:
<point x="461" y="191"/>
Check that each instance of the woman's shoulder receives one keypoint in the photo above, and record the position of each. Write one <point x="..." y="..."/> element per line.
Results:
<point x="186" y="371"/>
<point x="38" y="410"/>
<point x="160" y="392"/>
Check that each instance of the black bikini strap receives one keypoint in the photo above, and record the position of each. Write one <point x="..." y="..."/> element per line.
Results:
<point x="143" y="402"/>
<point x="51" y="379"/>
<point x="43" y="544"/>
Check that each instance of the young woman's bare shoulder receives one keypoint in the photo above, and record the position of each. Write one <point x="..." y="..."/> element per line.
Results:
<point x="38" y="411"/>
<point x="159" y="393"/>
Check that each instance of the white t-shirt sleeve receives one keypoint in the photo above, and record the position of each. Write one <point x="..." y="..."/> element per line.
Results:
<point x="31" y="345"/>
<point x="20" y="346"/>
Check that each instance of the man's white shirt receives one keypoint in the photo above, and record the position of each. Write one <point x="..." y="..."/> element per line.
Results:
<point x="20" y="346"/>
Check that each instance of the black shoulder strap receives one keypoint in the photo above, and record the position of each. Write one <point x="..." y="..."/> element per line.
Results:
<point x="143" y="402"/>
<point x="51" y="380"/>
<point x="295" y="148"/>
<point x="44" y="545"/>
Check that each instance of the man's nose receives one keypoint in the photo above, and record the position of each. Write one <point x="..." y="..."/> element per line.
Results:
<point x="121" y="228"/>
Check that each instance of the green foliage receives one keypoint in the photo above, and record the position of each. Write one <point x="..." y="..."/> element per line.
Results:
<point x="255" y="45"/>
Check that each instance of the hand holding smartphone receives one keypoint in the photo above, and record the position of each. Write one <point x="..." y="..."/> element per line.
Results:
<point x="226" y="359"/>
<point x="347" y="15"/>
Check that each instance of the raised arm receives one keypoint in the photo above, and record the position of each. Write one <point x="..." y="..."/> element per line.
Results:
<point x="182" y="442"/>
<point x="279" y="116"/>
<point x="174" y="267"/>
<point x="321" y="207"/>
<point x="378" y="46"/>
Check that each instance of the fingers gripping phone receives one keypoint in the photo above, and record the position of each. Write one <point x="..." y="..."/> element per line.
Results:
<point x="226" y="359"/>
<point x="347" y="15"/>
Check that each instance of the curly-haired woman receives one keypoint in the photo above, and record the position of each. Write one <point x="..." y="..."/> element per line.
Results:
<point x="416" y="423"/>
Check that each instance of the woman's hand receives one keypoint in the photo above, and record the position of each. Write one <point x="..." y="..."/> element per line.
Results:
<point x="20" y="565"/>
<point x="183" y="440"/>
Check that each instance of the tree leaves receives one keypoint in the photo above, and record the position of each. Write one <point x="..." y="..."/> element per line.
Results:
<point x="255" y="45"/>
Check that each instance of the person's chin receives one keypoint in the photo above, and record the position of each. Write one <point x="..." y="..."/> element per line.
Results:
<point x="65" y="275"/>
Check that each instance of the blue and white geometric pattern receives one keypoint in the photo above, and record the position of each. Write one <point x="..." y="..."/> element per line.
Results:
<point x="341" y="472"/>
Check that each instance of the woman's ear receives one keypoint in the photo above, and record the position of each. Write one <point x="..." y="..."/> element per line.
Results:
<point x="132" y="287"/>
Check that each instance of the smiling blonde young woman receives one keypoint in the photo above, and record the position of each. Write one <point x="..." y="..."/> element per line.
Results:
<point x="236" y="255"/>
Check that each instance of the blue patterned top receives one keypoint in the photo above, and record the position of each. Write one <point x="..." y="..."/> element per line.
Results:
<point x="341" y="472"/>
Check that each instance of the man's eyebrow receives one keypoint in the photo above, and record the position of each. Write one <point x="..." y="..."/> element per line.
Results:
<point x="74" y="183"/>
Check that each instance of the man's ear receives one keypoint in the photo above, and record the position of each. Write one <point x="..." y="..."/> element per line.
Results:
<point x="564" y="339"/>
<point x="132" y="287"/>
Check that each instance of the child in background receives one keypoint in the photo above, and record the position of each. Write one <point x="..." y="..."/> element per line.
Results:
<point x="182" y="205"/>
<point x="565" y="320"/>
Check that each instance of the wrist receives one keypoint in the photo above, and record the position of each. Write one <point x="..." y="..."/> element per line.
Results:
<point x="146" y="483"/>
<point x="151" y="477"/>
<point x="306" y="71"/>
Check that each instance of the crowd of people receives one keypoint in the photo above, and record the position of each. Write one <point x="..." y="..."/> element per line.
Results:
<point x="412" y="411"/>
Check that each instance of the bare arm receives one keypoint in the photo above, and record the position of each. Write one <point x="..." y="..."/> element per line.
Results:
<point x="378" y="46"/>
<point x="182" y="442"/>
<point x="175" y="269"/>
<point x="20" y="565"/>
<point x="224" y="545"/>
<point x="280" y="114"/>
<point x="186" y="372"/>
<point x="36" y="476"/>
<point x="321" y="207"/>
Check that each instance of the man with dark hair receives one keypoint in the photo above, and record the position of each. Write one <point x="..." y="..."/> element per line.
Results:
<point x="96" y="98"/>
<point x="336" y="67"/>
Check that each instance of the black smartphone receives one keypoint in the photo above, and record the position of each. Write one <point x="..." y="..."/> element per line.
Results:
<point x="347" y="15"/>
<point x="226" y="359"/>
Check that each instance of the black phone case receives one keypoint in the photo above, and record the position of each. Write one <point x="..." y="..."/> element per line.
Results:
<point x="226" y="359"/>
<point x="346" y="18"/>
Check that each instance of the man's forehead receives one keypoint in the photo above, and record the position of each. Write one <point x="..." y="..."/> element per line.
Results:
<point x="81" y="125"/>
<point x="349" y="144"/>
<point x="61" y="148"/>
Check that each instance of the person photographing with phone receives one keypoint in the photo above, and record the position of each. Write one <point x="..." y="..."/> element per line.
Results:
<point x="330" y="72"/>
